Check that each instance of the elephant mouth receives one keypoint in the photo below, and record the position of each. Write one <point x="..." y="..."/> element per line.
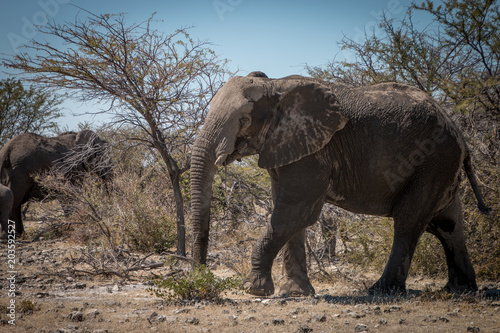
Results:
<point x="221" y="159"/>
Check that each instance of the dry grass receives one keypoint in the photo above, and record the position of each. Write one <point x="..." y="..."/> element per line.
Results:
<point x="132" y="311"/>
<point x="108" y="303"/>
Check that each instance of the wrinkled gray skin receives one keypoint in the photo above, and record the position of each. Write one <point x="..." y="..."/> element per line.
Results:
<point x="6" y="201"/>
<point x="27" y="155"/>
<point x="386" y="150"/>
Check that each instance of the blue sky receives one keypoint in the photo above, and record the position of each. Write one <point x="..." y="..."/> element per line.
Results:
<point x="278" y="37"/>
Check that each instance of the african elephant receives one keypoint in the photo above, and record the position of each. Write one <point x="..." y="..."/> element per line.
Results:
<point x="6" y="201"/>
<point x="27" y="155"/>
<point x="387" y="150"/>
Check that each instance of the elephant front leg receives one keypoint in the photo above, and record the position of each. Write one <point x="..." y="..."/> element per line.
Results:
<point x="299" y="191"/>
<point x="297" y="281"/>
<point x="260" y="282"/>
<point x="288" y="222"/>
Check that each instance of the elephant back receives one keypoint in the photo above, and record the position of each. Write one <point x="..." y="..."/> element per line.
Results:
<point x="32" y="152"/>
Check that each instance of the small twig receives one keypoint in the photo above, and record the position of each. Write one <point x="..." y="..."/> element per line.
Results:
<point x="141" y="259"/>
<point x="151" y="266"/>
<point x="318" y="262"/>
<point x="182" y="258"/>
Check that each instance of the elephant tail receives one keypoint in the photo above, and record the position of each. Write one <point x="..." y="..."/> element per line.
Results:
<point x="475" y="187"/>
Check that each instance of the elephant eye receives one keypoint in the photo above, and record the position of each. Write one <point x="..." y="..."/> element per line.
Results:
<point x="244" y="121"/>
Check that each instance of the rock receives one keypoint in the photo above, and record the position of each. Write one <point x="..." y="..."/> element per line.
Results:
<point x="382" y="321"/>
<point x="430" y="318"/>
<point x="193" y="321"/>
<point x="320" y="317"/>
<point x="298" y="310"/>
<point x="444" y="319"/>
<point x="181" y="311"/>
<point x="93" y="313"/>
<point x="266" y="302"/>
<point x="473" y="329"/>
<point x="156" y="318"/>
<point x="75" y="316"/>
<point x="304" y="329"/>
<point x="361" y="328"/>
<point x="278" y="321"/>
<point x="402" y="321"/>
<point x="356" y="315"/>
<point x="80" y="285"/>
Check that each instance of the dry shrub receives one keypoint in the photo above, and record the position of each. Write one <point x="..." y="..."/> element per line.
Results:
<point x="482" y="231"/>
<point x="130" y="210"/>
<point x="145" y="211"/>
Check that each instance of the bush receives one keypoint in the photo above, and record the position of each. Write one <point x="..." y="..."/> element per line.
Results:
<point x="200" y="284"/>
<point x="131" y="211"/>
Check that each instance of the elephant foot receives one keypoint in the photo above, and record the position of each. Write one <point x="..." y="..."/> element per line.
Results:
<point x="454" y="288"/>
<point x="384" y="288"/>
<point x="297" y="288"/>
<point x="259" y="285"/>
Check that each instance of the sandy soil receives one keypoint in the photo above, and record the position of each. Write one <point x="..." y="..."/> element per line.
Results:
<point x="49" y="299"/>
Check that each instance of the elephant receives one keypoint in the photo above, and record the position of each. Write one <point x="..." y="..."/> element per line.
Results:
<point x="6" y="201"/>
<point x="27" y="155"/>
<point x="387" y="150"/>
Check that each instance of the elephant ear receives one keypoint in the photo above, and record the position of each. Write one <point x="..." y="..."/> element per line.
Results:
<point x="306" y="118"/>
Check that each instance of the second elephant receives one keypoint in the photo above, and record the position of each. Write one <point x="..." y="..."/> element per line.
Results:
<point x="28" y="155"/>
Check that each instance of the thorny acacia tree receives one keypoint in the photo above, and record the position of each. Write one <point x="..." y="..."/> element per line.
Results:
<point x="25" y="110"/>
<point x="160" y="83"/>
<point x="456" y="58"/>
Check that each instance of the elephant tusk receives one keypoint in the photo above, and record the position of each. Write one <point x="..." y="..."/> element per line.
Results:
<point x="221" y="159"/>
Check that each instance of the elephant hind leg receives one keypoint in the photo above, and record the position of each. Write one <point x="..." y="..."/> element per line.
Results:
<point x="411" y="216"/>
<point x="449" y="229"/>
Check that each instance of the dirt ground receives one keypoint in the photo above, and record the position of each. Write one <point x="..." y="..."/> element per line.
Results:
<point x="49" y="300"/>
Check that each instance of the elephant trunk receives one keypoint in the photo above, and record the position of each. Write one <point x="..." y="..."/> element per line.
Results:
<point x="214" y="144"/>
<point x="202" y="175"/>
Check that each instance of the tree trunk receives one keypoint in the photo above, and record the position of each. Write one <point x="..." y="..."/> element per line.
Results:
<point x="174" y="173"/>
<point x="179" y="208"/>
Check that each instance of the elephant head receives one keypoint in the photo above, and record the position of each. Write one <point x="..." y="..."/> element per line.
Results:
<point x="281" y="120"/>
<point x="88" y="153"/>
